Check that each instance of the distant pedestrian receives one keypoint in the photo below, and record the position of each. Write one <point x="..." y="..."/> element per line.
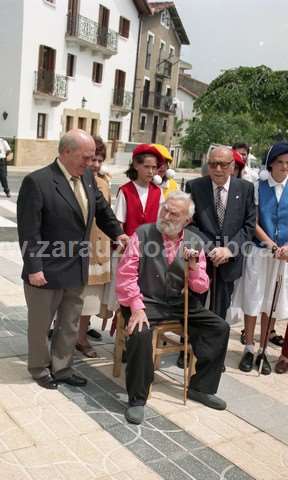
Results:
<point x="4" y="152"/>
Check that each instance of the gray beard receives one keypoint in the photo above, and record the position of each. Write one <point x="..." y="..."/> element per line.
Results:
<point x="169" y="230"/>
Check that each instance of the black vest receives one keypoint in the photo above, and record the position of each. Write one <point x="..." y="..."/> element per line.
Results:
<point x="162" y="284"/>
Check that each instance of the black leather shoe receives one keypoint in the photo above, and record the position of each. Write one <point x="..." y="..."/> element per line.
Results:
<point x="94" y="334"/>
<point x="74" y="380"/>
<point x="277" y="340"/>
<point x="47" y="382"/>
<point x="246" y="363"/>
<point x="8" y="194"/>
<point x="266" y="368"/>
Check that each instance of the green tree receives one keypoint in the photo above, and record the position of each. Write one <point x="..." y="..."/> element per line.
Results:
<point x="226" y="129"/>
<point x="259" y="91"/>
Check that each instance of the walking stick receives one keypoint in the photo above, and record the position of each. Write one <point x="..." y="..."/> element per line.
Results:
<point x="186" y="275"/>
<point x="213" y="292"/>
<point x="273" y="309"/>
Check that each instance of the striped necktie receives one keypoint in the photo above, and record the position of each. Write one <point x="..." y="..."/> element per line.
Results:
<point x="220" y="208"/>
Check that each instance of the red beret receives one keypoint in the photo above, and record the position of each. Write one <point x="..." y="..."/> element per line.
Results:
<point x="238" y="159"/>
<point x="144" y="148"/>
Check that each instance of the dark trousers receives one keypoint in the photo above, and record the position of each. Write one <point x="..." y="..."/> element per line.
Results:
<point x="220" y="299"/>
<point x="285" y="345"/>
<point x="208" y="335"/>
<point x="3" y="175"/>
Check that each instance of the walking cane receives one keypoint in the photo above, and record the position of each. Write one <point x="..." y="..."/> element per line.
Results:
<point x="213" y="292"/>
<point x="273" y="309"/>
<point x="186" y="275"/>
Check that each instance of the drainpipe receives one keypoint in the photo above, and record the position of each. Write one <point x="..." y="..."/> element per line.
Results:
<point x="135" y="75"/>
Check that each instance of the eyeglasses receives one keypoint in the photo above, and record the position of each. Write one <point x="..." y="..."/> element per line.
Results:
<point x="222" y="165"/>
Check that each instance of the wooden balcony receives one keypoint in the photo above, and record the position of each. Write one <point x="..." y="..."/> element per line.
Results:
<point x="89" y="34"/>
<point x="50" y="86"/>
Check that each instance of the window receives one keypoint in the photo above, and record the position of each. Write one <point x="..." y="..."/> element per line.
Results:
<point x="82" y="123"/>
<point x="41" y="125"/>
<point x="97" y="72"/>
<point x="165" y="19"/>
<point x="143" y="119"/>
<point x="93" y="130"/>
<point x="150" y="41"/>
<point x="70" y="67"/>
<point x="124" y="27"/>
<point x="69" y="123"/>
<point x="161" y="51"/>
<point x="171" y="51"/>
<point x="164" y="126"/>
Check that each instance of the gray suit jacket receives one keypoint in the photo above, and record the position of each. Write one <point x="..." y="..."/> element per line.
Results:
<point x="239" y="222"/>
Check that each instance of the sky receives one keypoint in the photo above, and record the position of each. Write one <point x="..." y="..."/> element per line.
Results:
<point x="229" y="33"/>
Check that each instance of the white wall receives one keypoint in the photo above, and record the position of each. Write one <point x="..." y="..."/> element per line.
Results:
<point x="187" y="102"/>
<point x="11" y="13"/>
<point x="46" y="25"/>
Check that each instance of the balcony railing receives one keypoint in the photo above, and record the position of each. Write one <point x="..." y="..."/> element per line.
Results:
<point x="164" y="69"/>
<point x="88" y="32"/>
<point x="48" y="83"/>
<point x="156" y="101"/>
<point x="122" y="99"/>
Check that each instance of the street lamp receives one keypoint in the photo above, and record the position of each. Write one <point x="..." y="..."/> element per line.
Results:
<point x="83" y="102"/>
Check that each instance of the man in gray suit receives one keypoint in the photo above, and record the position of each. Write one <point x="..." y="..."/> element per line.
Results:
<point x="225" y="218"/>
<point x="55" y="211"/>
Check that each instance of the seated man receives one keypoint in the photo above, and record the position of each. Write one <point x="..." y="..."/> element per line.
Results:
<point x="149" y="286"/>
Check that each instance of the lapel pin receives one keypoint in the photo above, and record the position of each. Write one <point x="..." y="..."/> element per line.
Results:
<point x="237" y="197"/>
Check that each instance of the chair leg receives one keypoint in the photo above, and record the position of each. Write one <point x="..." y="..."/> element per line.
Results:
<point x="119" y="345"/>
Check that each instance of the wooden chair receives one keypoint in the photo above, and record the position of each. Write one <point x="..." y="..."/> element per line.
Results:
<point x="162" y="344"/>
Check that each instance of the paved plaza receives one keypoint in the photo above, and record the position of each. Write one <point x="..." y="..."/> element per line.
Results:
<point x="81" y="433"/>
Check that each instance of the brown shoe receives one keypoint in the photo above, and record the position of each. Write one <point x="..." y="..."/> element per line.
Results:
<point x="47" y="382"/>
<point x="281" y="366"/>
<point x="87" y="350"/>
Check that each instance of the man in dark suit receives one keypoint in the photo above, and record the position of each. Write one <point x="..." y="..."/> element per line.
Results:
<point x="55" y="210"/>
<point x="225" y="218"/>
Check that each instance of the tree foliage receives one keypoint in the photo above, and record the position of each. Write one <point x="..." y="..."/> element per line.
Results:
<point x="243" y="104"/>
<point x="226" y="129"/>
<point x="259" y="91"/>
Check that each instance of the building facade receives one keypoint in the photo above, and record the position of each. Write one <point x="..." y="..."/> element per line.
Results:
<point x="68" y="64"/>
<point x="162" y="35"/>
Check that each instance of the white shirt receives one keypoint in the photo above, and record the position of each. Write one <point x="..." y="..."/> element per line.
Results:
<point x="4" y="148"/>
<point x="279" y="187"/>
<point x="224" y="192"/>
<point x="120" y="208"/>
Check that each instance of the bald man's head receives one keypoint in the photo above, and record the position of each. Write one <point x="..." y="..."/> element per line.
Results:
<point x="76" y="151"/>
<point x="220" y="165"/>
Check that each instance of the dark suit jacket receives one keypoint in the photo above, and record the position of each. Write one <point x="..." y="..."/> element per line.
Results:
<point x="48" y="212"/>
<point x="239" y="222"/>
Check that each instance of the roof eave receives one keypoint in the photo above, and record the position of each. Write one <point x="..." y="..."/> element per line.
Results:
<point x="143" y="7"/>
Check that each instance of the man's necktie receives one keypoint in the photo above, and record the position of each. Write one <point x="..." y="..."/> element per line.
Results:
<point x="77" y="192"/>
<point x="220" y="208"/>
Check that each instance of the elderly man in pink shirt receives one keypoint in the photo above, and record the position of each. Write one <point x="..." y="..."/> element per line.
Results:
<point x="149" y="286"/>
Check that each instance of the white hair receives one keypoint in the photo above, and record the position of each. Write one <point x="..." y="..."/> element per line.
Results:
<point x="183" y="197"/>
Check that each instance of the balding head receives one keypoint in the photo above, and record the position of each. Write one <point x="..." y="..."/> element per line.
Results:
<point x="76" y="151"/>
<point x="220" y="165"/>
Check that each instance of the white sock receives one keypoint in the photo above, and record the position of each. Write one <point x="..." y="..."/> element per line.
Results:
<point x="249" y="348"/>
